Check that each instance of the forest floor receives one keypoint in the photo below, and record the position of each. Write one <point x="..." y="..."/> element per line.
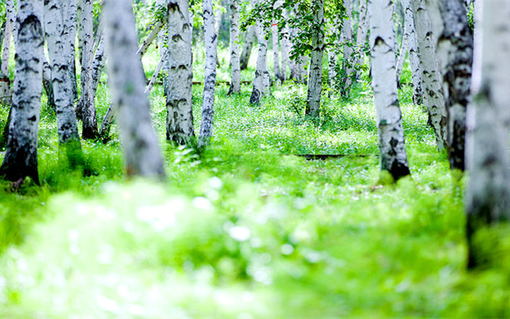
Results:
<point x="247" y="229"/>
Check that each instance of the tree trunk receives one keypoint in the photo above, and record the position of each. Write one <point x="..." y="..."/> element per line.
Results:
<point x="211" y="57"/>
<point x="431" y="78"/>
<point x="98" y="64"/>
<point x="139" y="141"/>
<point x="60" y="75"/>
<point x="285" y="49"/>
<point x="5" y="81"/>
<point x="249" y="40"/>
<point x="261" y="80"/>
<point x="315" y="78"/>
<point x="150" y="38"/>
<point x="333" y="52"/>
<point x="455" y="56"/>
<point x="180" y="75"/>
<point x="47" y="85"/>
<point x="86" y="105"/>
<point x="413" y="52"/>
<point x="276" y="46"/>
<point x="389" y="119"/>
<point x="70" y="8"/>
<point x="235" y="67"/>
<point x="20" y="158"/>
<point x="487" y="200"/>
<point x="361" y="36"/>
<point x="348" y="59"/>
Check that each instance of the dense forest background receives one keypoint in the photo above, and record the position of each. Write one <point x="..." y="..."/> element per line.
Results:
<point x="257" y="159"/>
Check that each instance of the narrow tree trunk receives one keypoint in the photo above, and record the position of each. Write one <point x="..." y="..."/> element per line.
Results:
<point x="431" y="78"/>
<point x="389" y="119"/>
<point x="60" y="73"/>
<point x="47" y="84"/>
<point x="361" y="36"/>
<point x="249" y="40"/>
<point x="315" y="78"/>
<point x="180" y="75"/>
<point x="5" y="81"/>
<point x="413" y="52"/>
<point x="261" y="80"/>
<point x="276" y="46"/>
<point x="152" y="81"/>
<point x="455" y="55"/>
<point x="333" y="52"/>
<point x="487" y="200"/>
<point x="211" y="43"/>
<point x="70" y="8"/>
<point x="98" y="64"/>
<point x="348" y="59"/>
<point x="285" y="49"/>
<point x="150" y="38"/>
<point x="86" y="105"/>
<point x="402" y="55"/>
<point x="20" y="158"/>
<point x="235" y="66"/>
<point x="139" y="141"/>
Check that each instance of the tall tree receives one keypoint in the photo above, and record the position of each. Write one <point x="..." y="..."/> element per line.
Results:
<point x="262" y="78"/>
<point x="487" y="199"/>
<point x="139" y="141"/>
<point x="70" y="9"/>
<point x="431" y="77"/>
<point x="20" y="158"/>
<point x="348" y="53"/>
<point x="5" y="82"/>
<point x="389" y="119"/>
<point x="211" y="57"/>
<point x="410" y="33"/>
<point x="315" y="77"/>
<point x="249" y="40"/>
<point x="179" y="128"/>
<point x="60" y="73"/>
<point x="235" y="66"/>
<point x="86" y="105"/>
<point x="455" y="56"/>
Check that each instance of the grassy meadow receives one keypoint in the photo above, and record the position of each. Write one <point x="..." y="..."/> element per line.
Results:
<point x="248" y="228"/>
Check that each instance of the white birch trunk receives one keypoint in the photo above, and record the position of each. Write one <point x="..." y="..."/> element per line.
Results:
<point x="455" y="56"/>
<point x="249" y="40"/>
<point x="152" y="81"/>
<point x="389" y="119"/>
<point x="70" y="8"/>
<point x="235" y="65"/>
<point x="261" y="80"/>
<point x="431" y="77"/>
<point x="404" y="48"/>
<point x="86" y="105"/>
<point x="211" y="57"/>
<point x="487" y="200"/>
<point x="150" y="38"/>
<point x="361" y="36"/>
<point x="60" y="76"/>
<point x="139" y="141"/>
<point x="333" y="52"/>
<point x="413" y="52"/>
<point x="285" y="49"/>
<point x="98" y="63"/>
<point x="180" y="74"/>
<point x="20" y="158"/>
<point x="5" y="82"/>
<point x="315" y="78"/>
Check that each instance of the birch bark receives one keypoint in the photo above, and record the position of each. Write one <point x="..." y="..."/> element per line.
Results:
<point x="413" y="52"/>
<point x="315" y="78"/>
<point x="70" y="8"/>
<point x="389" y="119"/>
<point x="249" y="40"/>
<point x="276" y="44"/>
<point x="487" y="199"/>
<point x="180" y="74"/>
<point x="5" y="82"/>
<point x="20" y="158"/>
<point x="235" y="66"/>
<point x="431" y="77"/>
<point x="455" y="56"/>
<point x="261" y="80"/>
<point x="285" y="48"/>
<point x="60" y="73"/>
<point x="348" y="54"/>
<point x="139" y="141"/>
<point x="86" y="105"/>
<point x="211" y="58"/>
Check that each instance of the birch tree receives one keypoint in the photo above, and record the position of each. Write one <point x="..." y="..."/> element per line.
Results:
<point x="211" y="43"/>
<point x="235" y="65"/>
<point x="348" y="53"/>
<point x="276" y="44"/>
<point x="249" y="40"/>
<point x="69" y="9"/>
<point x="487" y="200"/>
<point x="5" y="82"/>
<point x="413" y="52"/>
<point x="20" y="159"/>
<point x="86" y="105"/>
<point x="455" y="56"/>
<point x="139" y="141"/>
<point x="431" y="77"/>
<point x="285" y="48"/>
<point x="261" y="80"/>
<point x="315" y="78"/>
<point x="361" y="34"/>
<point x="60" y="73"/>
<point x="389" y="119"/>
<point x="179" y="127"/>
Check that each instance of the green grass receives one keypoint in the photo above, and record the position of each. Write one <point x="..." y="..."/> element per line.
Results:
<point x="248" y="229"/>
